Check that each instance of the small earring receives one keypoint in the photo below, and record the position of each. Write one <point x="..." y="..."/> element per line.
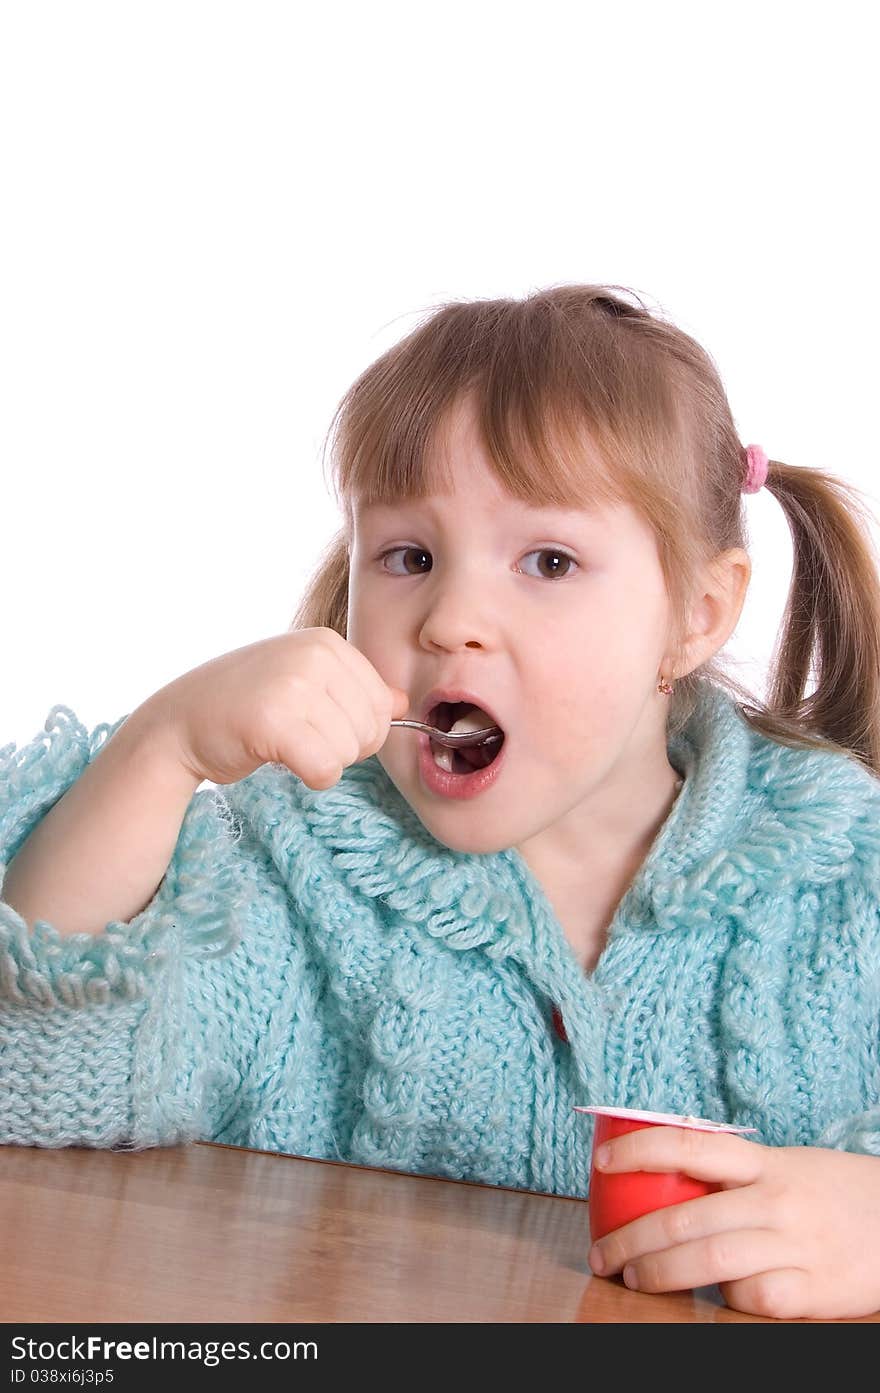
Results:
<point x="664" y="687"/>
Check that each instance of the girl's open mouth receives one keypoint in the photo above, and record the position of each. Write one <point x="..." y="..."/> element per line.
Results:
<point x="467" y="771"/>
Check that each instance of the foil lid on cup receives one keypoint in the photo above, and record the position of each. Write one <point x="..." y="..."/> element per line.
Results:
<point x="669" y="1119"/>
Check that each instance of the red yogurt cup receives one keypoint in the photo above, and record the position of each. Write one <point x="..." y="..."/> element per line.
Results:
<point x="618" y="1197"/>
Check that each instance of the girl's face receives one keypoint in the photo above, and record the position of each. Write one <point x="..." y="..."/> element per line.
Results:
<point x="557" y="618"/>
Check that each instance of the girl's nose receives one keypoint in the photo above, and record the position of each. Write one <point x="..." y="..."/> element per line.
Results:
<point x="459" y="616"/>
<point x="452" y="635"/>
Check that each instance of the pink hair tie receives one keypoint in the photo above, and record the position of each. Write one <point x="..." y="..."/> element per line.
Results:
<point x="757" y="465"/>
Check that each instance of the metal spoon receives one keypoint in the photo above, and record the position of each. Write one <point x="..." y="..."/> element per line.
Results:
<point x="461" y="737"/>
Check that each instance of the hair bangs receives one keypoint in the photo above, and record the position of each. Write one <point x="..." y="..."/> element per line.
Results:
<point x="549" y="410"/>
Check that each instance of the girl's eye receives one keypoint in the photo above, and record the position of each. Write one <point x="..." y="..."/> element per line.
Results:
<point x="554" y="571"/>
<point x="407" y="551"/>
<point x="559" y="567"/>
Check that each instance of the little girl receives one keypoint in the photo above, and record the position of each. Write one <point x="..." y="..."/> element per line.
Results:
<point x="653" y="892"/>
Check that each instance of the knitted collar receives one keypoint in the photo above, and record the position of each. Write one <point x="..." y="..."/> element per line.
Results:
<point x="753" y="817"/>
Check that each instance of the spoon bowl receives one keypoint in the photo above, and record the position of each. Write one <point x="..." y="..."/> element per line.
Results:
<point x="461" y="737"/>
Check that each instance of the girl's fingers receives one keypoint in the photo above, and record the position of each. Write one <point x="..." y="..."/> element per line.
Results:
<point x="718" y="1156"/>
<point x="675" y="1225"/>
<point x="373" y="684"/>
<point x="781" y="1292"/>
<point x="722" y="1257"/>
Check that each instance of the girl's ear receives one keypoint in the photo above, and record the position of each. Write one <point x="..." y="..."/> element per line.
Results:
<point x="716" y="611"/>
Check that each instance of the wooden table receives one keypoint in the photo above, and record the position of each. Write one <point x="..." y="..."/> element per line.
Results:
<point x="215" y="1233"/>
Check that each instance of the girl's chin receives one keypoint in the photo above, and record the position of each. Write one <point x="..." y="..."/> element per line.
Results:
<point x="456" y="838"/>
<point x="460" y="824"/>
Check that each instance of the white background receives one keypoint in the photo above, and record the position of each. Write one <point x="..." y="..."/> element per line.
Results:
<point x="214" y="215"/>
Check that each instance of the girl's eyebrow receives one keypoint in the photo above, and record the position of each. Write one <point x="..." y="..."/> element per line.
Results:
<point x="528" y="510"/>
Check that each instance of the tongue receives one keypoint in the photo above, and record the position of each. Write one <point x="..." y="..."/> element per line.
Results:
<point x="477" y="756"/>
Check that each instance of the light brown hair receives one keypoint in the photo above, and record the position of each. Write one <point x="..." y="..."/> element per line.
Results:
<point x="583" y="395"/>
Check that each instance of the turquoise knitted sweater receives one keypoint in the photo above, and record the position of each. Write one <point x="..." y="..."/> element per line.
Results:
<point x="317" y="974"/>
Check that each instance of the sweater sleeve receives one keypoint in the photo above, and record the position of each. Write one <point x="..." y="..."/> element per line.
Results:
<point x="860" y="1133"/>
<point x="858" y="1130"/>
<point x="95" y="1045"/>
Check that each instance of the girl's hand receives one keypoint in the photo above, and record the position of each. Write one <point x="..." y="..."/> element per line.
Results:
<point x="308" y="699"/>
<point x="795" y="1230"/>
